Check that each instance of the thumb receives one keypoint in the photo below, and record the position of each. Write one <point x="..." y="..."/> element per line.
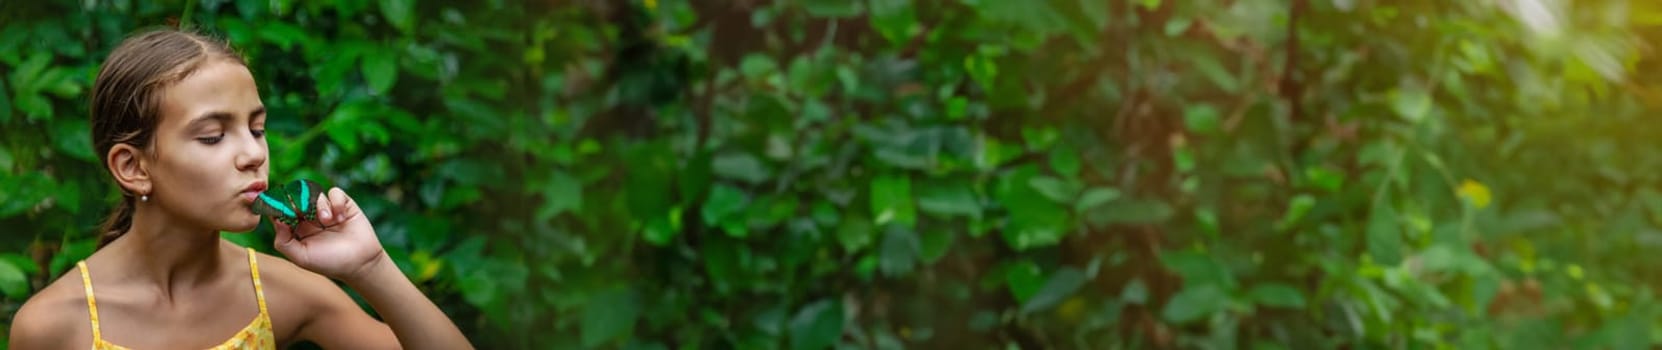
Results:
<point x="285" y="235"/>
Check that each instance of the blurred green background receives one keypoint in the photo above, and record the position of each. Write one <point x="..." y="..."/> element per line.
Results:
<point x="964" y="174"/>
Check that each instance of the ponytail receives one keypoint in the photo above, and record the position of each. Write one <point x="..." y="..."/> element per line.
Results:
<point x="120" y="219"/>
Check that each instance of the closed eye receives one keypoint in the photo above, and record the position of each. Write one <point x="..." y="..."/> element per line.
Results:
<point x="211" y="139"/>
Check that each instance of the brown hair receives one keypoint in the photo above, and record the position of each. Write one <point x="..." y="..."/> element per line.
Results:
<point x="126" y="98"/>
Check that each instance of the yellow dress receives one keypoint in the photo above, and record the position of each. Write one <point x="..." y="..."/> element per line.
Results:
<point x="257" y="335"/>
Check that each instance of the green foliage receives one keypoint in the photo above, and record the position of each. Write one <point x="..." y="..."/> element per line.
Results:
<point x="945" y="174"/>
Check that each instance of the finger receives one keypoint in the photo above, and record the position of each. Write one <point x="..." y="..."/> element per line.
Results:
<point x="341" y="205"/>
<point x="285" y="234"/>
<point x="324" y="212"/>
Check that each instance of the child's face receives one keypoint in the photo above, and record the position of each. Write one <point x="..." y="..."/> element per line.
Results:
<point x="210" y="147"/>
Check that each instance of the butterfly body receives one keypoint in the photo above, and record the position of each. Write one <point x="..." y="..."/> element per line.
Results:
<point x="290" y="204"/>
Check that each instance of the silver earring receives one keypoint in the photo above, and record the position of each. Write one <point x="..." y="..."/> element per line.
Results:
<point x="144" y="198"/>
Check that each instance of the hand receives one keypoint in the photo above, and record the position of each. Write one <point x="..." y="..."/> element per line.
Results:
<point x="344" y="247"/>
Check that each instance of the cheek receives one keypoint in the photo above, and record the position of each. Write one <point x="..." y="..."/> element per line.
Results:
<point x="191" y="172"/>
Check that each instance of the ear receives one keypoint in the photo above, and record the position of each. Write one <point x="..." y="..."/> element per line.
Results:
<point x="127" y="164"/>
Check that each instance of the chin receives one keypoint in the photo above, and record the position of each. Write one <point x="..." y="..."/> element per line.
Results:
<point x="239" y="228"/>
<point x="244" y="224"/>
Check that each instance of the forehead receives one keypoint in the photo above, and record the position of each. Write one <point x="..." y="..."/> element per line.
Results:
<point x="216" y="86"/>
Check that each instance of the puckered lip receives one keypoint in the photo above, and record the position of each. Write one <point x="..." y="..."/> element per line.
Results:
<point x="252" y="191"/>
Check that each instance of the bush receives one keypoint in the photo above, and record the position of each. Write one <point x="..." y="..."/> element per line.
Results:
<point x="943" y="174"/>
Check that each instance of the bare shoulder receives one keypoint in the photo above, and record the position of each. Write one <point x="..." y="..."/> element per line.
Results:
<point x="55" y="317"/>
<point x="305" y="305"/>
<point x="291" y="287"/>
<point x="280" y="276"/>
<point x="276" y="268"/>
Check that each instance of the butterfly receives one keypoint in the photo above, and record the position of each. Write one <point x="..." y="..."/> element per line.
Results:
<point x="290" y="204"/>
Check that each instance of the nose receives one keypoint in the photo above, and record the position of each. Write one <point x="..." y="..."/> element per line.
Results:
<point x="252" y="152"/>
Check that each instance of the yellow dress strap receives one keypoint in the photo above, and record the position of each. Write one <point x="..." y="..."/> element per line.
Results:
<point x="92" y="304"/>
<point x="253" y="268"/>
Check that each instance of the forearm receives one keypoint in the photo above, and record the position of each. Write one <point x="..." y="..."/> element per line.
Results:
<point x="418" y="323"/>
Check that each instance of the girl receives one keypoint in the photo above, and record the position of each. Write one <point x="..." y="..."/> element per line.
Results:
<point x="178" y="123"/>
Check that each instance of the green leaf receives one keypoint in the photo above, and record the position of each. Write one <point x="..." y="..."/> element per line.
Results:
<point x="27" y="76"/>
<point x="659" y="231"/>
<point x="1149" y="4"/>
<point x="282" y="34"/>
<point x="479" y="289"/>
<point x="1196" y="268"/>
<point x="1177" y="25"/>
<point x="343" y="124"/>
<point x="1030" y="17"/>
<point x="1184" y="159"/>
<point x="1195" y="302"/>
<point x="1207" y="220"/>
<point x="817" y="325"/>
<point x="1023" y="280"/>
<point x="561" y="194"/>
<point x="724" y="202"/>
<point x="1095" y="197"/>
<point x="1130" y="211"/>
<point x="983" y="69"/>
<point x="756" y="65"/>
<point x="13" y="281"/>
<point x="936" y="244"/>
<point x="401" y="13"/>
<point x="6" y="160"/>
<point x="1058" y="287"/>
<point x="1411" y="103"/>
<point x="957" y="108"/>
<point x="1220" y="76"/>
<point x="740" y="166"/>
<point x="73" y="250"/>
<point x="1325" y="178"/>
<point x="68" y="195"/>
<point x="380" y="68"/>
<point x="866" y="267"/>
<point x="24" y="263"/>
<point x="833" y="8"/>
<point x="282" y="7"/>
<point x="1201" y="119"/>
<point x="855" y="233"/>
<point x="34" y="105"/>
<point x="1135" y="292"/>
<point x="1296" y="209"/>
<point x="1035" y="220"/>
<point x="1055" y="189"/>
<point x="71" y="138"/>
<point x="947" y="198"/>
<point x="60" y="83"/>
<point x="891" y="200"/>
<point x="894" y="19"/>
<point x="900" y="251"/>
<point x="1384" y="236"/>
<point x="1265" y="345"/>
<point x="824" y="213"/>
<point x="5" y="104"/>
<point x="721" y="256"/>
<point x="1277" y="295"/>
<point x="609" y="316"/>
<point x="1065" y="160"/>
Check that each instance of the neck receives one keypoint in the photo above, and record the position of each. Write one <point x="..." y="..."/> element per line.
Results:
<point x="168" y="253"/>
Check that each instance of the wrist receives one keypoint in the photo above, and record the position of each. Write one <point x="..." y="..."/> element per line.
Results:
<point x="370" y="271"/>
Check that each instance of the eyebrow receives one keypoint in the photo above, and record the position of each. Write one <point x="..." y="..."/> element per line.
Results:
<point x="221" y="117"/>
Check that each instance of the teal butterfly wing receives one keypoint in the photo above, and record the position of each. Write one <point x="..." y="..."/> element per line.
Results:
<point x="276" y="204"/>
<point x="290" y="204"/>
<point x="305" y="193"/>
